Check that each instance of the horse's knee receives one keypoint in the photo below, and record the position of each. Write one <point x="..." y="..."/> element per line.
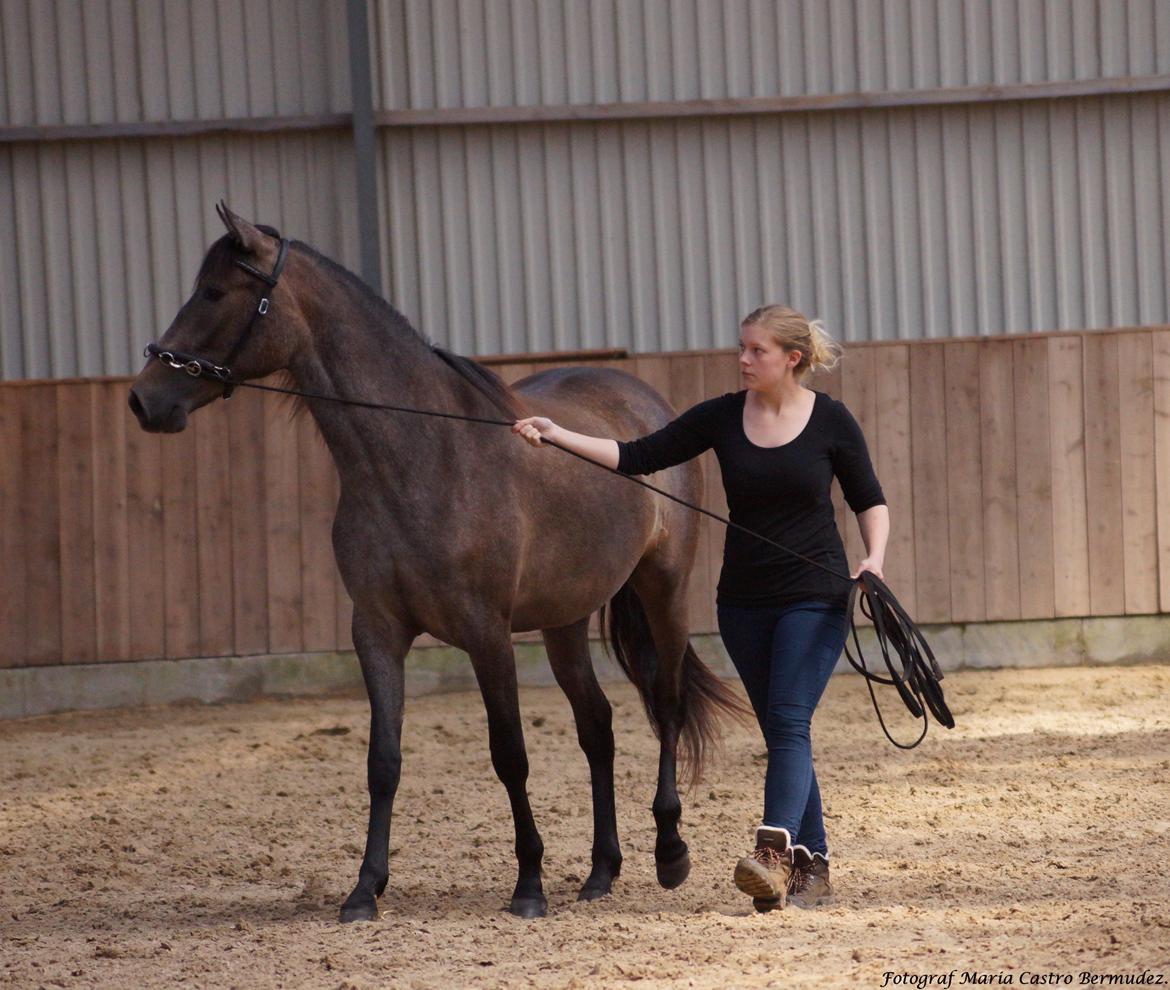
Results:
<point x="510" y="763"/>
<point x="383" y="768"/>
<point x="595" y="733"/>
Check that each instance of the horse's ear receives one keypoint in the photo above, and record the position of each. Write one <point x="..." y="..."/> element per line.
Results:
<point x="243" y="233"/>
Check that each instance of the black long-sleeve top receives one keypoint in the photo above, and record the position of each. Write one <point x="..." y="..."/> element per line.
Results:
<point x="781" y="492"/>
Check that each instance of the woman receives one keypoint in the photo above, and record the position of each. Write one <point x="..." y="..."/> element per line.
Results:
<point x="783" y="620"/>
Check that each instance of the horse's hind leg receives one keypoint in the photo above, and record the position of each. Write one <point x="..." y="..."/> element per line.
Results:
<point x="495" y="670"/>
<point x="663" y="598"/>
<point x="381" y="647"/>
<point x="568" y="655"/>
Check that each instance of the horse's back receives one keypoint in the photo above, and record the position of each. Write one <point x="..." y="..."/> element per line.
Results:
<point x="578" y="397"/>
<point x="606" y="402"/>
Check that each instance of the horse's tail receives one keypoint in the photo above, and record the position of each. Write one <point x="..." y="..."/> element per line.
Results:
<point x="703" y="696"/>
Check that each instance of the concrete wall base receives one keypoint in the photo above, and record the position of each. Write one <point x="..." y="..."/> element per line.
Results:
<point x="42" y="690"/>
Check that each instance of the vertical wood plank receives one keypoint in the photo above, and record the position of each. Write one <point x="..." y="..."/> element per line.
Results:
<point x="40" y="497"/>
<point x="281" y="486"/>
<point x="1103" y="475"/>
<point x="964" y="483"/>
<point x="111" y="526"/>
<point x="828" y="382"/>
<point x="214" y="522"/>
<point x="1033" y="479"/>
<point x="74" y="483"/>
<point x="180" y="544"/>
<point x="317" y="507"/>
<point x="14" y="550"/>
<point x="249" y="529"/>
<point x="1070" y="518"/>
<point x="1135" y="360"/>
<point x="1161" y="355"/>
<point x="1001" y="564"/>
<point x="892" y="462"/>
<point x="686" y="388"/>
<point x="860" y="395"/>
<point x="654" y="370"/>
<point x="928" y="448"/>
<point x="144" y="533"/>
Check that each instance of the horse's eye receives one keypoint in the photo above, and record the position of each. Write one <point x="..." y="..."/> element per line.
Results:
<point x="212" y="294"/>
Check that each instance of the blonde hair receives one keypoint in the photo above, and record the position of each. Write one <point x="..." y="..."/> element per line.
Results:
<point x="790" y="330"/>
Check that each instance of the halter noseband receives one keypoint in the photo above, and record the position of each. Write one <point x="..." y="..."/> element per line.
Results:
<point x="199" y="367"/>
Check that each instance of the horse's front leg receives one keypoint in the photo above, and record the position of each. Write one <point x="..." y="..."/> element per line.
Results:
<point x="495" y="670"/>
<point x="381" y="645"/>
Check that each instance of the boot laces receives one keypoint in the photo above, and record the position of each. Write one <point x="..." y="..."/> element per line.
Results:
<point x="769" y="858"/>
<point x="801" y="879"/>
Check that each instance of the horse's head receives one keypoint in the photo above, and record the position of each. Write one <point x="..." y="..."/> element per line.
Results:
<point x="240" y="321"/>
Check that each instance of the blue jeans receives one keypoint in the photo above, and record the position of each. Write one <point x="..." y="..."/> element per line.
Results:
<point x="785" y="655"/>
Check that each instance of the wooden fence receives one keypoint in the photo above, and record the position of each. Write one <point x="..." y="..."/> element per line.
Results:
<point x="1023" y="476"/>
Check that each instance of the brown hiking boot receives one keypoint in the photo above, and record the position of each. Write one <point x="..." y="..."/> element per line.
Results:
<point x="810" y="885"/>
<point x="766" y="872"/>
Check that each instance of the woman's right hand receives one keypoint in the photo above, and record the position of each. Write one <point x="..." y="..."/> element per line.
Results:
<point x="535" y="429"/>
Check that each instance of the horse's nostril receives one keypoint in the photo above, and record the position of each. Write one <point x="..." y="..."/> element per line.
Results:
<point x="136" y="406"/>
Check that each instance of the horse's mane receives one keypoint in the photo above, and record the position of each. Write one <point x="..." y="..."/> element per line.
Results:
<point x="380" y="314"/>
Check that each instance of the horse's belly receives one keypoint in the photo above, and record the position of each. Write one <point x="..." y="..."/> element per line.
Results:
<point x="564" y="580"/>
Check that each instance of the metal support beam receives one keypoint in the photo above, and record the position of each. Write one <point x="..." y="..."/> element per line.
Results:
<point x="570" y="113"/>
<point x="365" y="152"/>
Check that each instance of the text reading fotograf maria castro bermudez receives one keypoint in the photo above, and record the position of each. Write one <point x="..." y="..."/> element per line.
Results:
<point x="1024" y="978"/>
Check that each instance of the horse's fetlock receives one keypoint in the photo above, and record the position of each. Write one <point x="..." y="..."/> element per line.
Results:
<point x="667" y="811"/>
<point x="530" y="852"/>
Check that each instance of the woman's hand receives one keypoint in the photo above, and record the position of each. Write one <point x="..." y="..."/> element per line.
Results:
<point x="535" y="429"/>
<point x="870" y="564"/>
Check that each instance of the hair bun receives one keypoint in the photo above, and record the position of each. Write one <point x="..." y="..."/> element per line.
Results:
<point x="824" y="351"/>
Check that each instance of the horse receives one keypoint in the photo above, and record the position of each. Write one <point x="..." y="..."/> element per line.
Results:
<point x="459" y="530"/>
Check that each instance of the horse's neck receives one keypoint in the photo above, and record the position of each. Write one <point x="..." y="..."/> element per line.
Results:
<point x="383" y="366"/>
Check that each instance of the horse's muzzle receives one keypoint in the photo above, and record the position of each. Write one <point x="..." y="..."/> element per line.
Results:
<point x="165" y="419"/>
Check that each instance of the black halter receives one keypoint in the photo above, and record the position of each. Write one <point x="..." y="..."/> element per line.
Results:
<point x="199" y="367"/>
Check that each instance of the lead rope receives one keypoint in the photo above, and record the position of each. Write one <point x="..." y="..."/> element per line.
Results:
<point x="917" y="682"/>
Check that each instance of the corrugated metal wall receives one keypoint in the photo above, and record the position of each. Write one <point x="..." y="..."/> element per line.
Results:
<point x="101" y="61"/>
<point x="103" y="240"/>
<point x="650" y="234"/>
<point x="887" y="223"/>
<point x="463" y="53"/>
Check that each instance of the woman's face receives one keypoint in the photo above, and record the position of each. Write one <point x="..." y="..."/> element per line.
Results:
<point x="763" y="364"/>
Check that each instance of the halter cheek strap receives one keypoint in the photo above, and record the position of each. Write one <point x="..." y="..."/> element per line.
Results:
<point x="200" y="367"/>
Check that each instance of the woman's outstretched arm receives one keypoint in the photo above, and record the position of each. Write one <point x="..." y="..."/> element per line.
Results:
<point x="537" y="429"/>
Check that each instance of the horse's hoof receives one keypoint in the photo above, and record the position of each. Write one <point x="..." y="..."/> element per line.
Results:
<point x="365" y="909"/>
<point x="672" y="872"/>
<point x="765" y="904"/>
<point x="528" y="907"/>
<point x="592" y="891"/>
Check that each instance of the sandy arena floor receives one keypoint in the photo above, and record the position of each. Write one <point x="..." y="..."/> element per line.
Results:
<point x="210" y="847"/>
